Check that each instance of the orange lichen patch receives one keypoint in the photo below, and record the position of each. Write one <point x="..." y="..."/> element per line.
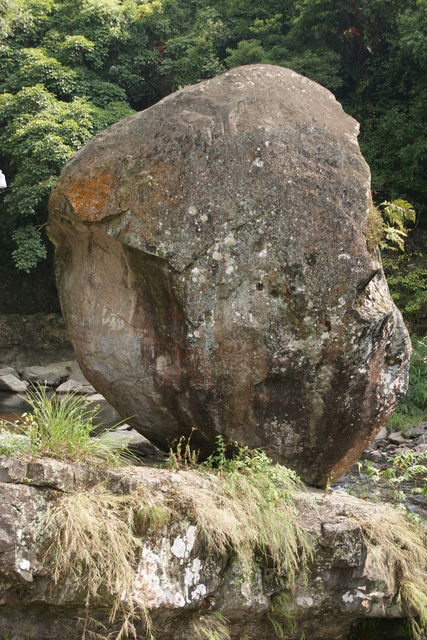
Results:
<point x="91" y="196"/>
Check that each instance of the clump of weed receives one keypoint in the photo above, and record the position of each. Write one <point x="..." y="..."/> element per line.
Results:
<point x="392" y="541"/>
<point x="181" y="454"/>
<point x="375" y="228"/>
<point x="93" y="537"/>
<point x="13" y="444"/>
<point x="210" y="626"/>
<point x="60" y="427"/>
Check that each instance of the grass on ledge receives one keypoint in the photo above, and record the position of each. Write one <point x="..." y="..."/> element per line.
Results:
<point x="59" y="427"/>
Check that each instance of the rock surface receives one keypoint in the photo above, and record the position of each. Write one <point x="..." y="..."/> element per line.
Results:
<point x="214" y="273"/>
<point x="177" y="576"/>
<point x="38" y="339"/>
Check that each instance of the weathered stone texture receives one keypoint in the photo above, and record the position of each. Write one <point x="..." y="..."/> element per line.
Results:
<point x="176" y="575"/>
<point x="214" y="273"/>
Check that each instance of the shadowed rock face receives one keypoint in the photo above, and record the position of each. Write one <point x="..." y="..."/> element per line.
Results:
<point x="214" y="273"/>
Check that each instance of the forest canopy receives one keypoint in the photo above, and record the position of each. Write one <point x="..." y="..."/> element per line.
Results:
<point x="70" y="68"/>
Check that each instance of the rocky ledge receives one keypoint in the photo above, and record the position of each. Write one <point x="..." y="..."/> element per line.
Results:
<point x="356" y="571"/>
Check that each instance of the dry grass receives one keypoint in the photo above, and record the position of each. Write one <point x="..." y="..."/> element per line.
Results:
<point x="247" y="509"/>
<point x="93" y="538"/>
<point x="236" y="512"/>
<point x="375" y="228"/>
<point x="394" y="542"/>
<point x="209" y="626"/>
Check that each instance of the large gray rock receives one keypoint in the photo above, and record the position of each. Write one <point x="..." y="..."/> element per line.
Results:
<point x="181" y="580"/>
<point x="214" y="272"/>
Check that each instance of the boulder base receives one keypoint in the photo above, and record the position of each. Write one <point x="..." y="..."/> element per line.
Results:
<point x="214" y="273"/>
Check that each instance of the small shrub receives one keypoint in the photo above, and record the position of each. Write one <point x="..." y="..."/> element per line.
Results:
<point x="13" y="444"/>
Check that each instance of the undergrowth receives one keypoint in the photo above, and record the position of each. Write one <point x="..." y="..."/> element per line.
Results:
<point x="241" y="506"/>
<point x="412" y="409"/>
<point x="60" y="427"/>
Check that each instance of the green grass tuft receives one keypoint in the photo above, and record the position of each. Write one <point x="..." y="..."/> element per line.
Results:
<point x="60" y="427"/>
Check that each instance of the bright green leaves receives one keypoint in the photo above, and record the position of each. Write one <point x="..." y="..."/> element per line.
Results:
<point x="396" y="216"/>
<point x="40" y="133"/>
<point x="247" y="52"/>
<point x="30" y="248"/>
<point x="36" y="67"/>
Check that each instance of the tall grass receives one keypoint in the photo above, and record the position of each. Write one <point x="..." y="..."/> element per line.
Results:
<point x="397" y="551"/>
<point x="60" y="427"/>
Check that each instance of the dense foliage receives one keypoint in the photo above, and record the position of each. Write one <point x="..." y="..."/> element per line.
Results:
<point x="69" y="68"/>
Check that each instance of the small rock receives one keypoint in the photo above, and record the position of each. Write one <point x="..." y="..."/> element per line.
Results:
<point x="126" y="436"/>
<point x="75" y="386"/>
<point x="420" y="448"/>
<point x="42" y="375"/>
<point x="5" y="371"/>
<point x="421" y="439"/>
<point x="397" y="438"/>
<point x="375" y="456"/>
<point x="382" y="434"/>
<point x="97" y="397"/>
<point x="64" y="368"/>
<point x="381" y="443"/>
<point x="12" y="383"/>
<point x="420" y="430"/>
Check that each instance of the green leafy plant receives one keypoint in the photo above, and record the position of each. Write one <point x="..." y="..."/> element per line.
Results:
<point x="397" y="215"/>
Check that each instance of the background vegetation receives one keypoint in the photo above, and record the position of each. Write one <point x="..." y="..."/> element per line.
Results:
<point x="69" y="68"/>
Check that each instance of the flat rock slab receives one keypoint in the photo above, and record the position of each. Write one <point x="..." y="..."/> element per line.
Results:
<point x="214" y="272"/>
<point x="177" y="575"/>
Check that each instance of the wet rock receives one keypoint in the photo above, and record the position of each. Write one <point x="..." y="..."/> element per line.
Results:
<point x="214" y="272"/>
<point x="42" y="375"/>
<point x="13" y="384"/>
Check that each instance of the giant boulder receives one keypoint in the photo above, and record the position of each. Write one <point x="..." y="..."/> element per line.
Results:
<point x="214" y="272"/>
